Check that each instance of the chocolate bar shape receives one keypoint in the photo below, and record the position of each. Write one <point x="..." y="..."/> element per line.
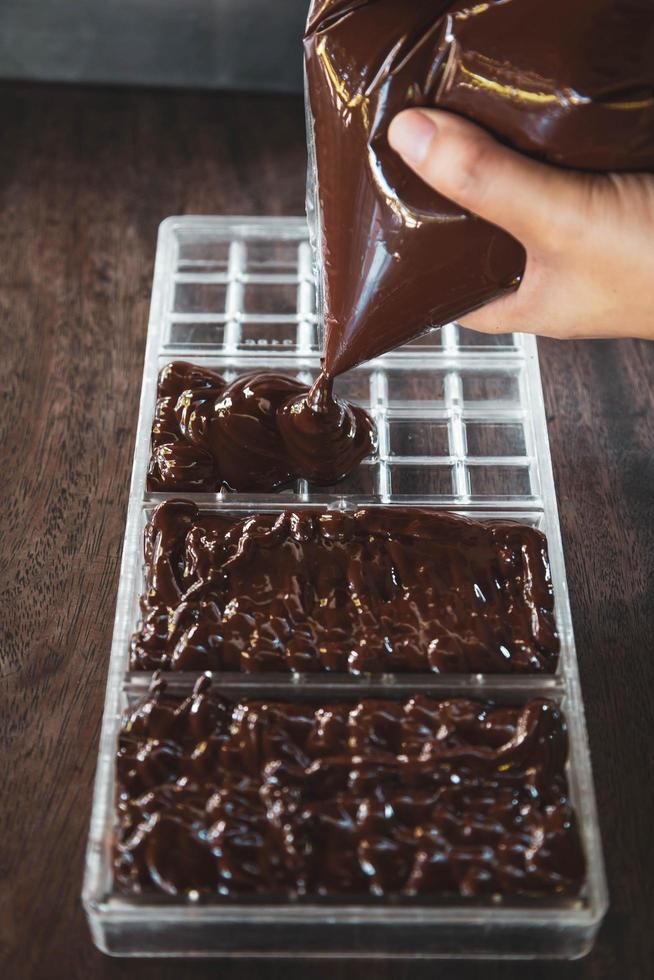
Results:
<point x="375" y="799"/>
<point x="370" y="591"/>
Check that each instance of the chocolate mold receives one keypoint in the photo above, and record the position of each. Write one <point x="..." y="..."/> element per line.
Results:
<point x="461" y="427"/>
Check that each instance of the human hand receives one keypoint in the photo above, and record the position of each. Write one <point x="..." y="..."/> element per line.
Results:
<point x="589" y="238"/>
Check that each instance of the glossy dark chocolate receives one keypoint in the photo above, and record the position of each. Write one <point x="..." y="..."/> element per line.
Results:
<point x="376" y="799"/>
<point x="568" y="81"/>
<point x="378" y="590"/>
<point x="259" y="433"/>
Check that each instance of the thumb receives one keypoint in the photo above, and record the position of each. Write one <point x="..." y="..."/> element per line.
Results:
<point x="465" y="164"/>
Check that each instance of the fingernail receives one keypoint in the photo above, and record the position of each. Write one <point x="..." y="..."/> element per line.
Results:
<point x="410" y="134"/>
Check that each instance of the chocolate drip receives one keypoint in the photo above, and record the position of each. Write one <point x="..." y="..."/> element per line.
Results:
<point x="378" y="590"/>
<point x="380" y="798"/>
<point x="323" y="434"/>
<point x="569" y="82"/>
<point x="257" y="434"/>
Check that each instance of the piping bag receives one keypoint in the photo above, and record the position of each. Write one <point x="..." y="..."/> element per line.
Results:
<point x="566" y="81"/>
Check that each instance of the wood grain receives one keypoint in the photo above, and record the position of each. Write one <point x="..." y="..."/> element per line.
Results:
<point x="85" y="177"/>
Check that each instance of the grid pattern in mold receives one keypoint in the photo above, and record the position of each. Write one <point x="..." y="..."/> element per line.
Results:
<point x="452" y="407"/>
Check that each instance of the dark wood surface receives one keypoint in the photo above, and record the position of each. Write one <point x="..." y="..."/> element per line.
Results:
<point x="85" y="178"/>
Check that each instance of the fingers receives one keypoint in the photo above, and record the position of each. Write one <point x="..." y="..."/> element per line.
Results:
<point x="534" y="202"/>
<point x="498" y="316"/>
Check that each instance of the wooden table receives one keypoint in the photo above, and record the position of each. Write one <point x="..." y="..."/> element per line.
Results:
<point x="85" y="178"/>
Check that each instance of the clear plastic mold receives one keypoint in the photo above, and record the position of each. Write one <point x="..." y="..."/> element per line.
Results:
<point x="461" y="426"/>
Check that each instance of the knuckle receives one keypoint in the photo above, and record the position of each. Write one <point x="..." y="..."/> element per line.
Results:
<point x="459" y="163"/>
<point x="556" y="233"/>
<point x="470" y="161"/>
<point x="571" y="217"/>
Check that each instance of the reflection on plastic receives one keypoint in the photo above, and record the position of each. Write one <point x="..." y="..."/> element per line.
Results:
<point x="569" y="81"/>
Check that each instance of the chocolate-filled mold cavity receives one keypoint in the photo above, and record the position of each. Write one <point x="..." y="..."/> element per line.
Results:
<point x="259" y="433"/>
<point x="415" y="799"/>
<point x="378" y="590"/>
<point x="176" y="817"/>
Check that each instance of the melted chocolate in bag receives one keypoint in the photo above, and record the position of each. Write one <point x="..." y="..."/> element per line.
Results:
<point x="568" y="81"/>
